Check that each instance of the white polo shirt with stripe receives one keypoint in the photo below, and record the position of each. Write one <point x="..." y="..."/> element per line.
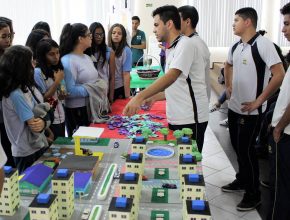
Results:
<point x="186" y="57"/>
<point x="244" y="82"/>
<point x="282" y="102"/>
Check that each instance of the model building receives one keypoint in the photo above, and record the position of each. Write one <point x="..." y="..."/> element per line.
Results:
<point x="193" y="187"/>
<point x="135" y="163"/>
<point x="187" y="165"/>
<point x="196" y="209"/>
<point x="138" y="145"/>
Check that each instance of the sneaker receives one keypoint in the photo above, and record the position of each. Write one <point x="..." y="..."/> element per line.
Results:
<point x="265" y="183"/>
<point x="224" y="123"/>
<point x="249" y="202"/>
<point x="235" y="186"/>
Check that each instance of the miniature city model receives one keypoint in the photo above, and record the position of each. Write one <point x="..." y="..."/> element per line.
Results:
<point x="63" y="186"/>
<point x="193" y="187"/>
<point x="130" y="186"/>
<point x="184" y="145"/>
<point x="135" y="163"/>
<point x="9" y="199"/>
<point x="121" y="208"/>
<point x="35" y="179"/>
<point x="196" y="209"/>
<point x="138" y="145"/>
<point x="44" y="207"/>
<point x="187" y="165"/>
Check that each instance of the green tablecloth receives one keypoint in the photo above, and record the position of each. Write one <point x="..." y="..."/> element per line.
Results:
<point x="136" y="82"/>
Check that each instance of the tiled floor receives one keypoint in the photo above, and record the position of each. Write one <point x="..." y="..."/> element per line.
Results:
<point x="218" y="171"/>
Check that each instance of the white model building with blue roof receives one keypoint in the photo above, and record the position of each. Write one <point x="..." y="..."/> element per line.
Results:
<point x="63" y="186"/>
<point x="187" y="165"/>
<point x="121" y="208"/>
<point x="139" y="145"/>
<point x="10" y="196"/>
<point x="135" y="163"/>
<point x="193" y="187"/>
<point x="196" y="209"/>
<point x="184" y="145"/>
<point x="44" y="207"/>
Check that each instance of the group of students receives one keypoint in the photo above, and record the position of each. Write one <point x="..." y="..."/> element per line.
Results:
<point x="185" y="86"/>
<point x="67" y="76"/>
<point x="251" y="61"/>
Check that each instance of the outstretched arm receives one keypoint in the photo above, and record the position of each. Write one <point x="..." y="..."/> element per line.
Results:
<point x="158" y="86"/>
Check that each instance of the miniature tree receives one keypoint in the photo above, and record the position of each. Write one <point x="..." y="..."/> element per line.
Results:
<point x="164" y="132"/>
<point x="187" y="132"/>
<point x="178" y="134"/>
<point x="146" y="132"/>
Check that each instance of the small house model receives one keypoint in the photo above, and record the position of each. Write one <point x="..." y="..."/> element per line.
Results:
<point x="121" y="208"/>
<point x="184" y="145"/>
<point x="196" y="209"/>
<point x="35" y="179"/>
<point x="130" y="186"/>
<point x="138" y="145"/>
<point x="82" y="183"/>
<point x="187" y="165"/>
<point x="135" y="163"/>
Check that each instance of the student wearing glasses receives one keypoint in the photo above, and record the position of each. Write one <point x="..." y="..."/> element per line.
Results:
<point x="78" y="70"/>
<point x="103" y="57"/>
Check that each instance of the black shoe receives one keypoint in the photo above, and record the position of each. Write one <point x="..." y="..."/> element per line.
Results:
<point x="265" y="183"/>
<point x="235" y="186"/>
<point x="249" y="202"/>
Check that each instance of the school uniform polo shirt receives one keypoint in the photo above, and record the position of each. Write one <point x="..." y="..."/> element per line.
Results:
<point x="186" y="98"/>
<point x="244" y="82"/>
<point x="282" y="102"/>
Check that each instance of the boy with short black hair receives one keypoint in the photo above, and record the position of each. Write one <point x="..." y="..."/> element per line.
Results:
<point x="248" y="86"/>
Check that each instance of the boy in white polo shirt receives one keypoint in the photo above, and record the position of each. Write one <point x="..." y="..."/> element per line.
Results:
<point x="280" y="142"/>
<point x="247" y="78"/>
<point x="183" y="85"/>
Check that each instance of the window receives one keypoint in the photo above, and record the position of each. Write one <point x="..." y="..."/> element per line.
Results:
<point x="134" y="147"/>
<point x="7" y="211"/>
<point x="6" y="197"/>
<point x="182" y="190"/>
<point x="181" y="148"/>
<point x="42" y="212"/>
<point x="64" y="216"/>
<point x="55" y="183"/>
<point x="129" y="165"/>
<point x="63" y="192"/>
<point x="114" y="216"/>
<point x="132" y="187"/>
<point x="123" y="216"/>
<point x="5" y="181"/>
<point x="191" y="168"/>
<point x="123" y="187"/>
<point x="183" y="168"/>
<point x="141" y="147"/>
<point x="198" y="190"/>
<point x="63" y="208"/>
<point x="34" y="212"/>
<point x="63" y="184"/>
<point x="136" y="166"/>
<point x="189" y="190"/>
<point x="63" y="200"/>
<point x="7" y="204"/>
<point x="132" y="196"/>
<point x="55" y="191"/>
<point x="123" y="195"/>
<point x="188" y="198"/>
<point x="197" y="198"/>
<point x="5" y="189"/>
<point x="187" y="148"/>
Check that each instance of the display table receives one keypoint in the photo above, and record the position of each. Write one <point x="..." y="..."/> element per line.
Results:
<point x="136" y="82"/>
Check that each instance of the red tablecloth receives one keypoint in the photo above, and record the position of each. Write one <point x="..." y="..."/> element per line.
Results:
<point x="117" y="108"/>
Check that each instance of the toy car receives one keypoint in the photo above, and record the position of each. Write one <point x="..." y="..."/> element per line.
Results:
<point x="86" y="214"/>
<point x="144" y="178"/>
<point x="116" y="144"/>
<point x="117" y="174"/>
<point x="169" y="186"/>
